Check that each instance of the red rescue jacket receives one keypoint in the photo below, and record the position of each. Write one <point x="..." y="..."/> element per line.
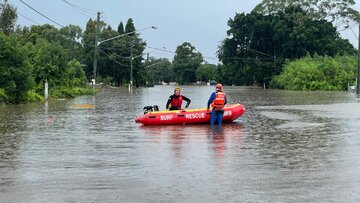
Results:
<point x="177" y="101"/>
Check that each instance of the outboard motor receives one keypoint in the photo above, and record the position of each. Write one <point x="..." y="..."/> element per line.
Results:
<point x="148" y="109"/>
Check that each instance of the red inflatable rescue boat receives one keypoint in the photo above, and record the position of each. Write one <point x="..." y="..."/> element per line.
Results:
<point x="189" y="116"/>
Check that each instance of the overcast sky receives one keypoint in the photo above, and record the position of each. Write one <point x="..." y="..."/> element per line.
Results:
<point x="203" y="23"/>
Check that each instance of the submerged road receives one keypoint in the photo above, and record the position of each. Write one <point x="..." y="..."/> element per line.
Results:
<point x="288" y="147"/>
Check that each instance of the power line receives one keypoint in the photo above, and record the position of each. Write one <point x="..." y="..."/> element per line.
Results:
<point x="90" y="11"/>
<point x="113" y="59"/>
<point x="78" y="9"/>
<point x="28" y="18"/>
<point x="106" y="19"/>
<point x="211" y="58"/>
<point x="116" y="49"/>
<point x="40" y="13"/>
<point x="160" y="53"/>
<point x="259" y="52"/>
<point x="124" y="57"/>
<point x="159" y="49"/>
<point x="173" y="52"/>
<point x="167" y="52"/>
<point x="83" y="9"/>
<point x="249" y="58"/>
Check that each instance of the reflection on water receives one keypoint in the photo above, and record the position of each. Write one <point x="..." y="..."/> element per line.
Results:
<point x="215" y="140"/>
<point x="288" y="147"/>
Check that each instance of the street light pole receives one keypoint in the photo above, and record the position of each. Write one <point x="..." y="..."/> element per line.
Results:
<point x="131" y="66"/>
<point x="147" y="69"/>
<point x="96" y="48"/>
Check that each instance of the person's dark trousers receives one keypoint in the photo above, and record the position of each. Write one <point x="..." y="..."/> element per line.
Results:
<point x="216" y="117"/>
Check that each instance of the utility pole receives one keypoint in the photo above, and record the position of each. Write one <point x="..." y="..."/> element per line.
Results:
<point x="97" y="42"/>
<point x="96" y="48"/>
<point x="131" y="66"/>
<point x="147" y="60"/>
<point x="358" y="65"/>
<point x="147" y="69"/>
<point x="275" y="68"/>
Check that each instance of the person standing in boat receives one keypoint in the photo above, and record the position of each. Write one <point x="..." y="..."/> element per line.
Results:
<point x="175" y="101"/>
<point x="217" y="102"/>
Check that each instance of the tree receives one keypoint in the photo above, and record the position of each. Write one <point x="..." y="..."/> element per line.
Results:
<point x="121" y="28"/>
<point x="129" y="27"/>
<point x="88" y="42"/>
<point x="114" y="58"/>
<point x="47" y="32"/>
<point x="8" y="17"/>
<point x="336" y="11"/>
<point x="69" y="39"/>
<point x="186" y="62"/>
<point x="76" y="74"/>
<point x="257" y="44"/>
<point x="317" y="73"/>
<point x="160" y="70"/>
<point x="15" y="70"/>
<point x="50" y="63"/>
<point x="206" y="72"/>
<point x="72" y="32"/>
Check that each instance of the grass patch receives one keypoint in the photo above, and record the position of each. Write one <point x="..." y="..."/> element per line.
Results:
<point x="3" y="96"/>
<point x="32" y="96"/>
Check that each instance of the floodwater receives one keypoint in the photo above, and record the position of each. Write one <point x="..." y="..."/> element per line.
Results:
<point x="288" y="147"/>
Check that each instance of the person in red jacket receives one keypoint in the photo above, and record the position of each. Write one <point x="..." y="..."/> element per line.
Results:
<point x="175" y="101"/>
<point x="217" y="101"/>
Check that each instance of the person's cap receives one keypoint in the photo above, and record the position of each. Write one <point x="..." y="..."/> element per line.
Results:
<point x="177" y="89"/>
<point x="219" y="86"/>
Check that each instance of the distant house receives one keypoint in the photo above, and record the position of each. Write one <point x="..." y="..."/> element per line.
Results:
<point x="211" y="82"/>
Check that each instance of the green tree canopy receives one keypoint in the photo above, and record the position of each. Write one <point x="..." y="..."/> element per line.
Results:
<point x="114" y="61"/>
<point x="258" y="44"/>
<point x="50" y="62"/>
<point x="336" y="11"/>
<point x="186" y="62"/>
<point x="317" y="73"/>
<point x="206" y="72"/>
<point x="8" y="17"/>
<point x="130" y="27"/>
<point x="121" y="28"/>
<point x="15" y="69"/>
<point x="88" y="42"/>
<point x="70" y="39"/>
<point x="160" y="70"/>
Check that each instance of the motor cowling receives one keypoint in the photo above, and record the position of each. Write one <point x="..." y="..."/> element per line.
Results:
<point x="148" y="109"/>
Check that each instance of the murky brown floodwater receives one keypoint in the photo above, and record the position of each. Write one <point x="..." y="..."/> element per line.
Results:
<point x="288" y="147"/>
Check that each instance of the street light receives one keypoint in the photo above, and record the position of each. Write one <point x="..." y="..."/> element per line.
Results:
<point x="129" y="33"/>
<point x="358" y="64"/>
<point x="97" y="43"/>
